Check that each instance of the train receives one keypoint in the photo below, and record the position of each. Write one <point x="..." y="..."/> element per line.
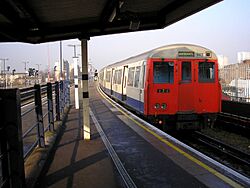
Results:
<point x="175" y="87"/>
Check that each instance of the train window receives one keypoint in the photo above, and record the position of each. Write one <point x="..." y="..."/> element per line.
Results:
<point x="115" y="77"/>
<point x="206" y="72"/>
<point x="119" y="76"/>
<point x="108" y="76"/>
<point x="131" y="72"/>
<point x="137" y="76"/>
<point x="101" y="76"/>
<point x="186" y="71"/>
<point x="163" y="72"/>
<point x="143" y="75"/>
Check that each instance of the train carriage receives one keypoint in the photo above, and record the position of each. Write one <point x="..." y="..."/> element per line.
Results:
<point x="175" y="86"/>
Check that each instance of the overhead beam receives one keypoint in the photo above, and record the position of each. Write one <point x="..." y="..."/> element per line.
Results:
<point x="181" y="9"/>
<point x="9" y="12"/>
<point x="109" y="7"/>
<point x="20" y="15"/>
<point x="166" y="10"/>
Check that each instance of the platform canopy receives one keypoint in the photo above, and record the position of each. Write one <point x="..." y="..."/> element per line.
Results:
<point x="37" y="21"/>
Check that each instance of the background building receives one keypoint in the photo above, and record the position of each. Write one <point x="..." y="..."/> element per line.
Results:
<point x="222" y="61"/>
<point x="235" y="80"/>
<point x="242" y="56"/>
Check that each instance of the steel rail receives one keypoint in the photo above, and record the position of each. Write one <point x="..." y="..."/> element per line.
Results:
<point x="234" y="116"/>
<point x="120" y="167"/>
<point x="45" y="114"/>
<point x="46" y="128"/>
<point x="28" y="111"/>
<point x="2" y="182"/>
<point x="232" y="152"/>
<point x="44" y="102"/>
<point x="28" y="91"/>
<point x="29" y="130"/>
<point x="30" y="149"/>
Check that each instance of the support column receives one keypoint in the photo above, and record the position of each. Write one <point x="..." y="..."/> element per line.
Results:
<point x="85" y="90"/>
<point x="68" y="85"/>
<point x="11" y="142"/>
<point x="75" y="59"/>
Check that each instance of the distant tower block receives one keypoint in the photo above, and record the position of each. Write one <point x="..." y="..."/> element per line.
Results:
<point x="222" y="61"/>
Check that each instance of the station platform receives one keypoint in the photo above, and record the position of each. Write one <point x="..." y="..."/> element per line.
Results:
<point x="147" y="159"/>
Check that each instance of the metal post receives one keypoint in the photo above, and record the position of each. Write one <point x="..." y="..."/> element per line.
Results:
<point x="50" y="107"/>
<point x="37" y="75"/>
<point x="236" y="82"/>
<point x="85" y="90"/>
<point x="65" y="92"/>
<point x="68" y="84"/>
<point x="39" y="116"/>
<point x="75" y="59"/>
<point x="57" y="102"/>
<point x="11" y="145"/>
<point x="25" y="68"/>
<point x="61" y="60"/>
<point x="61" y="96"/>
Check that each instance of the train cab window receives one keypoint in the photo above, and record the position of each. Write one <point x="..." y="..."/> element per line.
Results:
<point x="206" y="71"/>
<point x="137" y="76"/>
<point x="163" y="72"/>
<point x="186" y="71"/>
<point x="131" y="72"/>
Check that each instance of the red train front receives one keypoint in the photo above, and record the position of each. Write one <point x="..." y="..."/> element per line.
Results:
<point x="182" y="89"/>
<point x="175" y="86"/>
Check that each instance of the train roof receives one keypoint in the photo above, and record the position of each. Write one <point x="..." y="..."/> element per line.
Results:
<point x="174" y="51"/>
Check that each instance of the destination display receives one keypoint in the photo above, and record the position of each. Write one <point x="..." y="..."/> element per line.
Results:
<point x="186" y="54"/>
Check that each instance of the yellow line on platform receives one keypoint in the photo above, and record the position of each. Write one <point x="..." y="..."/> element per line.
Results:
<point x="211" y="170"/>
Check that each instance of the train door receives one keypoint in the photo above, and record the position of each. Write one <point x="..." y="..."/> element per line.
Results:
<point x="142" y="83"/>
<point x="124" y="83"/>
<point x="161" y="88"/>
<point x="186" y="101"/>
<point x="111" y="81"/>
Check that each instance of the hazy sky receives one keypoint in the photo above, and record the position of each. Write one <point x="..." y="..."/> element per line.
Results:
<point x="223" y="28"/>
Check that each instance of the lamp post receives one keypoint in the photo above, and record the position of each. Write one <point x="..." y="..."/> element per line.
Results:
<point x="25" y="69"/>
<point x="8" y="69"/>
<point x="37" y="75"/>
<point x="61" y="60"/>
<point x="75" y="59"/>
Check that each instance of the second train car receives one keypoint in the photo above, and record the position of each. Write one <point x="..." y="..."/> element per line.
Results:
<point x="174" y="86"/>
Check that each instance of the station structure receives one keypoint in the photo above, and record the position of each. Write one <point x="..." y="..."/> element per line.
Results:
<point x="44" y="21"/>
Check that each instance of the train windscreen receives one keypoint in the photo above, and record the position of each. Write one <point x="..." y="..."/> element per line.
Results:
<point x="186" y="71"/>
<point x="163" y="72"/>
<point x="206" y="71"/>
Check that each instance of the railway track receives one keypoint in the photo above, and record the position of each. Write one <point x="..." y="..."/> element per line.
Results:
<point x="232" y="152"/>
<point x="228" y="155"/>
<point x="235" y="120"/>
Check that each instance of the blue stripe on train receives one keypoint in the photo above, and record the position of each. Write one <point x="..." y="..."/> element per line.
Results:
<point x="135" y="104"/>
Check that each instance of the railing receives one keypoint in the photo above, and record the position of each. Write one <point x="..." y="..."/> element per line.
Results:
<point x="31" y="111"/>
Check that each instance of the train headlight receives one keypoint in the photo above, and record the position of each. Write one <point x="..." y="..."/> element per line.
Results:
<point x="157" y="106"/>
<point x="164" y="106"/>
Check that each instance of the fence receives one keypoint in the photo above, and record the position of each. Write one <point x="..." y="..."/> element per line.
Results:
<point x="31" y="111"/>
<point x="235" y="81"/>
